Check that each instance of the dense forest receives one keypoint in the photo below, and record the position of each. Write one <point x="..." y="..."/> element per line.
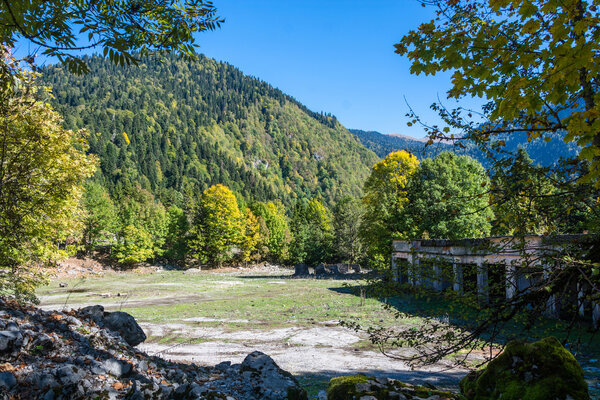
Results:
<point x="175" y="128"/>
<point x="542" y="152"/>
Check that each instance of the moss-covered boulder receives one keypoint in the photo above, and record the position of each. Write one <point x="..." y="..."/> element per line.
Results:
<point x="534" y="371"/>
<point x="361" y="387"/>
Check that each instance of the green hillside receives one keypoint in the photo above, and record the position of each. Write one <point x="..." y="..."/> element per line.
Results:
<point x="176" y="127"/>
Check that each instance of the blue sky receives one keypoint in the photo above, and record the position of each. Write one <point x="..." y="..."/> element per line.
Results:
<point x="335" y="56"/>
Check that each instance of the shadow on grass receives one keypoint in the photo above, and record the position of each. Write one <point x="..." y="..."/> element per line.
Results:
<point x="580" y="340"/>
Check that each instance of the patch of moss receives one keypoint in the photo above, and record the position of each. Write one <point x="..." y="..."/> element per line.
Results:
<point x="534" y="371"/>
<point x="344" y="387"/>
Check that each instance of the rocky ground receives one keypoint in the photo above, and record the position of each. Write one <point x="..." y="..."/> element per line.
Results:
<point x="74" y="355"/>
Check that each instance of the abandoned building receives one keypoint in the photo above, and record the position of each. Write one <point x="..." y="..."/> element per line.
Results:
<point x="494" y="268"/>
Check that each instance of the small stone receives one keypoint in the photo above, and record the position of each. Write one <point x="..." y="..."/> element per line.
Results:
<point x="382" y="380"/>
<point x="49" y="395"/>
<point x="116" y="367"/>
<point x="363" y="387"/>
<point x="63" y="284"/>
<point x="368" y="398"/>
<point x="7" y="380"/>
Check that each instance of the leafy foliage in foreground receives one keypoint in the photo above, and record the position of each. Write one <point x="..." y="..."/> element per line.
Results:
<point x="42" y="169"/>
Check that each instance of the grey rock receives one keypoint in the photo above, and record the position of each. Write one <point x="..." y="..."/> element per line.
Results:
<point x="382" y="380"/>
<point x="223" y="366"/>
<point x="320" y="270"/>
<point x="356" y="268"/>
<point x="126" y="326"/>
<point x="49" y="395"/>
<point x="301" y="269"/>
<point x="279" y="384"/>
<point x="69" y="374"/>
<point x="10" y="341"/>
<point x="116" y="367"/>
<point x="42" y="380"/>
<point x="95" y="312"/>
<point x="363" y="387"/>
<point x="63" y="284"/>
<point x="12" y="326"/>
<point x="7" y="380"/>
<point x="42" y="343"/>
<point x="343" y="268"/>
<point x="332" y="269"/>
<point x="368" y="398"/>
<point x="192" y="271"/>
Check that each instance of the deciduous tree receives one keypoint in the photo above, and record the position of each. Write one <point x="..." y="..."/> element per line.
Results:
<point x="218" y="226"/>
<point x="448" y="199"/>
<point x="385" y="199"/>
<point x="42" y="170"/>
<point x="62" y="29"/>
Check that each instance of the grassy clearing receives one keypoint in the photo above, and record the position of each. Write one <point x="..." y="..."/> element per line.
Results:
<point x="228" y="302"/>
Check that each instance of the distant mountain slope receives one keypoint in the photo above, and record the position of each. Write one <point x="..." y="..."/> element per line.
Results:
<point x="176" y="127"/>
<point x="540" y="151"/>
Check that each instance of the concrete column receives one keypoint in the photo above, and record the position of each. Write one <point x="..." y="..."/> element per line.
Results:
<point x="551" y="308"/>
<point x="596" y="316"/>
<point x="395" y="272"/>
<point x="511" y="281"/>
<point x="437" y="277"/>
<point x="458" y="277"/>
<point x="410" y="270"/>
<point x="482" y="280"/>
<point x="417" y="276"/>
<point x="580" y="300"/>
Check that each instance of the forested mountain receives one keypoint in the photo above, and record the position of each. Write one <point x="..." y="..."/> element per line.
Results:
<point x="176" y="127"/>
<point x="542" y="152"/>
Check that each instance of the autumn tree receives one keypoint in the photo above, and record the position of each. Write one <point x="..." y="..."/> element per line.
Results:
<point x="278" y="235"/>
<point x="217" y="228"/>
<point x="42" y="170"/>
<point x="533" y="63"/>
<point x="448" y="199"/>
<point x="141" y="210"/>
<point x="254" y="236"/>
<point x="385" y="201"/>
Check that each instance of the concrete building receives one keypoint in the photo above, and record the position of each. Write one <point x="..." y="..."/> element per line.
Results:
<point x="496" y="268"/>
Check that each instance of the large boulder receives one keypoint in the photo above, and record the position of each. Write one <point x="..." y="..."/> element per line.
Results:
<point x="126" y="325"/>
<point x="272" y="383"/>
<point x="332" y="269"/>
<point x="301" y="270"/>
<point x="118" y="321"/>
<point x="320" y="270"/>
<point x="361" y="387"/>
<point x="343" y="268"/>
<point x="533" y="371"/>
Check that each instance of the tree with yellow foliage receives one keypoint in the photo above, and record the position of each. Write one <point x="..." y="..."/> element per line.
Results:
<point x="385" y="201"/>
<point x="42" y="170"/>
<point x="218" y="226"/>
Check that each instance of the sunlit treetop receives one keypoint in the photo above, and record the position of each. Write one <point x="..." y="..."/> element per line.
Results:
<point x="534" y="62"/>
<point x="123" y="29"/>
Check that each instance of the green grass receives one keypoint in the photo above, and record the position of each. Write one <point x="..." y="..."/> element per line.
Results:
<point x="265" y="302"/>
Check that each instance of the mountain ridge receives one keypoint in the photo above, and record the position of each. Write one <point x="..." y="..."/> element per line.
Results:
<point x="175" y="128"/>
